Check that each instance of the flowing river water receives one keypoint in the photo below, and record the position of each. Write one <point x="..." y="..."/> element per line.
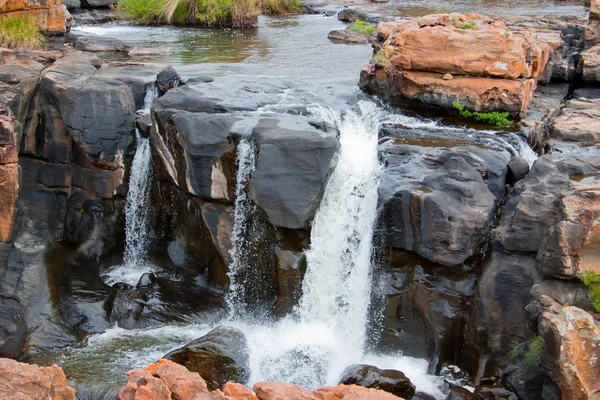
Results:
<point x="326" y="332"/>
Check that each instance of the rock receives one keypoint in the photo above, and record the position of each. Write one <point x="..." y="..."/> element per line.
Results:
<point x="415" y="54"/>
<point x="182" y="383"/>
<point x="592" y="33"/>
<point x="368" y="376"/>
<point x="51" y="16"/>
<point x="238" y="391"/>
<point x="291" y="266"/>
<point x="156" y="51"/>
<point x="459" y="393"/>
<point x="167" y="79"/>
<point x="98" y="3"/>
<point x="563" y="292"/>
<point x="349" y="36"/>
<point x="578" y="121"/>
<point x="355" y="14"/>
<point x="101" y="44"/>
<point x="26" y="381"/>
<point x="518" y="169"/>
<point x="447" y="77"/>
<point x="9" y="174"/>
<point x="281" y="391"/>
<point x="294" y="161"/>
<point x="219" y="356"/>
<point x="495" y="393"/>
<point x="571" y="248"/>
<point x="95" y="16"/>
<point x="571" y="348"/>
<point x="146" y="280"/>
<point x="350" y="392"/>
<point x="72" y="4"/>
<point x="436" y="202"/>
<point x="590" y="64"/>
<point x="142" y="385"/>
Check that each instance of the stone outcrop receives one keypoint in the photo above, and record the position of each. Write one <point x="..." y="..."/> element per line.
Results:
<point x="578" y="120"/>
<point x="50" y="15"/>
<point x="219" y="356"/>
<point x="388" y="380"/>
<point x="27" y="381"/>
<point x="571" y="354"/>
<point x="496" y="69"/>
<point x="592" y="33"/>
<point x="590" y="64"/>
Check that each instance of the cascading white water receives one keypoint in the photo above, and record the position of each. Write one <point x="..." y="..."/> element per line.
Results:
<point x="246" y="161"/>
<point x="136" y="207"/>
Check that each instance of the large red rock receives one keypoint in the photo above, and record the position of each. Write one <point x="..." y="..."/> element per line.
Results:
<point x="142" y="385"/>
<point x="472" y="59"/>
<point x="20" y="381"/>
<point x="237" y="391"/>
<point x="571" y="348"/>
<point x="353" y="392"/>
<point x="51" y="15"/>
<point x="282" y="391"/>
<point x="592" y="33"/>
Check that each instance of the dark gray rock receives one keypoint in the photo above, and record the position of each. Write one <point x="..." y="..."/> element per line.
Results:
<point x="101" y="44"/>
<point x="294" y="161"/>
<point x="354" y="14"/>
<point x="459" y="393"/>
<point x="167" y="79"/>
<point x="518" y="169"/>
<point x="368" y="376"/>
<point x="350" y="37"/>
<point x="98" y="3"/>
<point x="219" y="356"/>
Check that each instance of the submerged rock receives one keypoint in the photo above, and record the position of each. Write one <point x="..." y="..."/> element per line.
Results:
<point x="26" y="381"/>
<point x="219" y="356"/>
<point x="389" y="380"/>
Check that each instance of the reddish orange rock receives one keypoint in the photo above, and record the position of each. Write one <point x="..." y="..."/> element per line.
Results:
<point x="353" y="392"/>
<point x="143" y="386"/>
<point x="282" y="391"/>
<point x="50" y="15"/>
<point x="238" y="391"/>
<point x="182" y="383"/>
<point x="20" y="381"/>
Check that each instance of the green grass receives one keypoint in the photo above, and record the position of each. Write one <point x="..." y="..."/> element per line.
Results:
<point x="530" y="352"/>
<point x="20" y="33"/>
<point x="384" y="60"/>
<point x="277" y="7"/>
<point x="592" y="281"/>
<point x="366" y="28"/>
<point x="467" y="25"/>
<point x="225" y="13"/>
<point x="492" y="118"/>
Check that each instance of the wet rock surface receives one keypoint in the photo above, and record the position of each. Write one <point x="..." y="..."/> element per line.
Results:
<point x="368" y="376"/>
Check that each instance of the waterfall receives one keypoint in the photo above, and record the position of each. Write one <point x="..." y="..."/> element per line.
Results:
<point x="150" y="97"/>
<point x="242" y="207"/>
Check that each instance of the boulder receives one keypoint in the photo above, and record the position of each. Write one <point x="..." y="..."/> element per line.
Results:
<point x="238" y="391"/>
<point x="592" y="33"/>
<point x="27" y="381"/>
<point x="388" y="380"/>
<point x="142" y="385"/>
<point x="350" y="392"/>
<point x="356" y="14"/>
<point x="219" y="356"/>
<point x="436" y="201"/>
<point x="281" y="391"/>
<point x="101" y="44"/>
<point x="350" y="37"/>
<point x="50" y="15"/>
<point x="590" y="64"/>
<point x="98" y="3"/>
<point x="518" y="168"/>
<point x="181" y="382"/>
<point x="460" y="393"/>
<point x="293" y="164"/>
<point x="497" y="68"/>
<point x="571" y="354"/>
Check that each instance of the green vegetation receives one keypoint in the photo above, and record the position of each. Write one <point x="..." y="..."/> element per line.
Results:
<point x="20" y="33"/>
<point x="276" y="7"/>
<point x="223" y="13"/>
<point x="467" y="25"/>
<point x="492" y="118"/>
<point x="592" y="281"/>
<point x="384" y="60"/>
<point x="81" y="211"/>
<point x="363" y="27"/>
<point x="530" y="352"/>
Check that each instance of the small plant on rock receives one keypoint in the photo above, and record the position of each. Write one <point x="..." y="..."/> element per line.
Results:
<point x="366" y="28"/>
<point x="384" y="60"/>
<point x="530" y="352"/>
<point x="592" y="281"/>
<point x="492" y="118"/>
<point x="467" y="25"/>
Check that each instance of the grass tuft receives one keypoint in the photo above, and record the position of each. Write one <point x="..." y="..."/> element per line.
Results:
<point x="366" y="28"/>
<point x="384" y="60"/>
<point x="492" y="118"/>
<point x="20" y="33"/>
<point x="592" y="281"/>
<point x="467" y="25"/>
<point x="277" y="7"/>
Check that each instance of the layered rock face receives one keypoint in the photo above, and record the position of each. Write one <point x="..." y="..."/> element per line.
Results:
<point x="445" y="58"/>
<point x="51" y="15"/>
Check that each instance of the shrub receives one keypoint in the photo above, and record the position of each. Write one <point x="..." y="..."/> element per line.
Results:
<point x="384" y="60"/>
<point x="467" y="25"/>
<point x="363" y="27"/>
<point x="20" y="33"/>
<point x="236" y="13"/>
<point x="275" y="7"/>
<point x="492" y="118"/>
<point x="530" y="352"/>
<point x="592" y="281"/>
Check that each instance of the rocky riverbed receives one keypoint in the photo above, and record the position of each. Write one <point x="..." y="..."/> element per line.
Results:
<point x="235" y="203"/>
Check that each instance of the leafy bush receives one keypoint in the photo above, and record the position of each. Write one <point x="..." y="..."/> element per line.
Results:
<point x="384" y="60"/>
<point x="592" y="281"/>
<point x="363" y="27"/>
<point x="467" y="25"/>
<point x="492" y="118"/>
<point x="530" y="352"/>
<point x="20" y="33"/>
<point x="236" y="13"/>
<point x="275" y="7"/>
